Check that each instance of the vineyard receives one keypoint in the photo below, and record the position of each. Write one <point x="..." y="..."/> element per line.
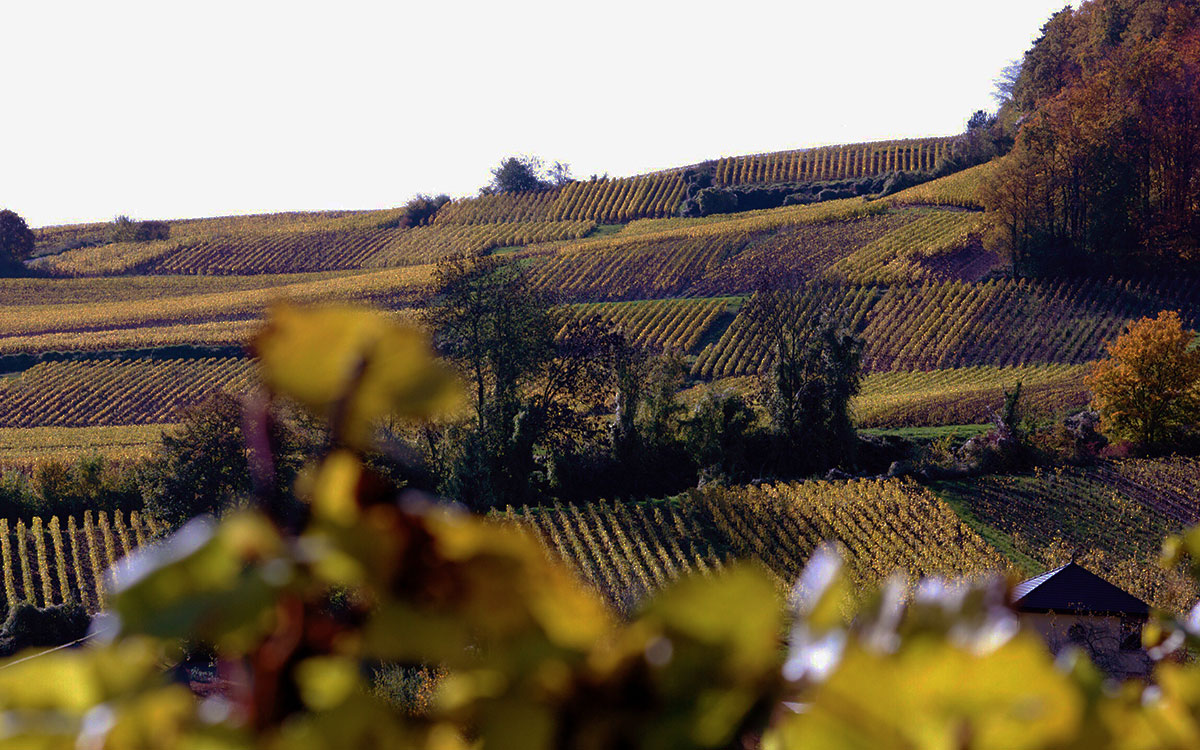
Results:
<point x="138" y="289"/>
<point x="832" y="162"/>
<point x="740" y="351"/>
<point x="225" y="333"/>
<point x="607" y="201"/>
<point x="1114" y="517"/>
<point x="290" y="252"/>
<point x="678" y="261"/>
<point x="968" y="395"/>
<point x="91" y="393"/>
<point x="23" y="448"/>
<point x="393" y="288"/>
<point x="50" y="240"/>
<point x="625" y="550"/>
<point x="661" y="324"/>
<point x="48" y="562"/>
<point x="915" y="252"/>
<point x="629" y="549"/>
<point x="961" y="324"/>
<point x="961" y="189"/>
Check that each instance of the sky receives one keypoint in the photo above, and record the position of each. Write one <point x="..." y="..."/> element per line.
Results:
<point x="172" y="110"/>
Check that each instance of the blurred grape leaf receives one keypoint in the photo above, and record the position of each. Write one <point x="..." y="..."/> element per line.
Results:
<point x="353" y="366"/>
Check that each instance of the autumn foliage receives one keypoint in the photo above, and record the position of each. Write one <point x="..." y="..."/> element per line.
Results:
<point x="1148" y="390"/>
<point x="1106" y="168"/>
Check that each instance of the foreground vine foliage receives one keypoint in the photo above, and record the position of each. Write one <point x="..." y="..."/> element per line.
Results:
<point x="300" y="607"/>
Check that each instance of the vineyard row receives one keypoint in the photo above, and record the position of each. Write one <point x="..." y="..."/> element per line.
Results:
<point x="958" y="324"/>
<point x="307" y="251"/>
<point x="607" y="201"/>
<point x="629" y="549"/>
<point x="833" y="162"/>
<point x="48" y="562"/>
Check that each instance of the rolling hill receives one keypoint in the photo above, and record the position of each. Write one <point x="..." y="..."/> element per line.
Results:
<point x="110" y="341"/>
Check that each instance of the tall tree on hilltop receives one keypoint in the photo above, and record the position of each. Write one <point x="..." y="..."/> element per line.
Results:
<point x="16" y="241"/>
<point x="518" y="174"/>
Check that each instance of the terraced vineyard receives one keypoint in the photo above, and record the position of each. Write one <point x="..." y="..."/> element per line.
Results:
<point x="607" y="201"/>
<point x="90" y="393"/>
<point x="960" y="324"/>
<point x="627" y="550"/>
<point x="832" y="162"/>
<point x="49" y="561"/>
<point x="966" y="395"/>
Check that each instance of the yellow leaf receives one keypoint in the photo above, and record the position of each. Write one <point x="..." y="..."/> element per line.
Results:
<point x="326" y="681"/>
<point x="354" y="366"/>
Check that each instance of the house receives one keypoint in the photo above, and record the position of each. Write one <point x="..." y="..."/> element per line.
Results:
<point x="1071" y="606"/>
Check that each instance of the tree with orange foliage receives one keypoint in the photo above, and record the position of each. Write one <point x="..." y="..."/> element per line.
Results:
<point x="1148" y="390"/>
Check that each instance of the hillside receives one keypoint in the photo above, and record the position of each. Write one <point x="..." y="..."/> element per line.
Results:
<point x="110" y="342"/>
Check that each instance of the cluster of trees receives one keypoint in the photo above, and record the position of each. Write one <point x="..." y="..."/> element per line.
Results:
<point x="574" y="410"/>
<point x="125" y="229"/>
<point x="704" y="198"/>
<point x="420" y="210"/>
<point x="1105" y="172"/>
<point x="987" y="136"/>
<point x="558" y="408"/>
<point x="58" y="487"/>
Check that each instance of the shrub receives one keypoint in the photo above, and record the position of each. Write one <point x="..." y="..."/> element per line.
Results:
<point x="28" y="626"/>
<point x="125" y="229"/>
<point x="421" y="210"/>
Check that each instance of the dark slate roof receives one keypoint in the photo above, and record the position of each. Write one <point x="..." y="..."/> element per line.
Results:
<point x="1072" y="589"/>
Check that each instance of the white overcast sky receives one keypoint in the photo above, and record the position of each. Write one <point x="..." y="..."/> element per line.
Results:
<point x="167" y="109"/>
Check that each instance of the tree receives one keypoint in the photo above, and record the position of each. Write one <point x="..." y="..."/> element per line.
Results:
<point x="814" y="374"/>
<point x="518" y="174"/>
<point x="125" y="229"/>
<point x="717" y="433"/>
<point x="16" y="240"/>
<point x="533" y="376"/>
<point x="559" y="174"/>
<point x="208" y="465"/>
<point x="1148" y="390"/>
